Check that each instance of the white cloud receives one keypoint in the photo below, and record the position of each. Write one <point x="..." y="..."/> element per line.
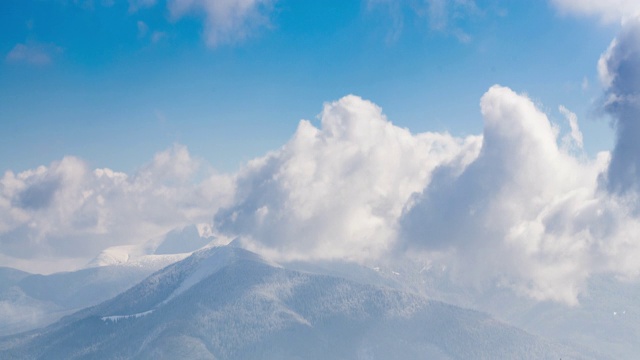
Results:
<point x="67" y="211"/>
<point x="526" y="213"/>
<point x="510" y="207"/>
<point x="337" y="191"/>
<point x="619" y="69"/>
<point x="226" y="21"/>
<point x="606" y="10"/>
<point x="33" y="53"/>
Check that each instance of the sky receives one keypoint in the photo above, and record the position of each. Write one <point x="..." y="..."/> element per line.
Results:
<point x="495" y="137"/>
<point x="116" y="81"/>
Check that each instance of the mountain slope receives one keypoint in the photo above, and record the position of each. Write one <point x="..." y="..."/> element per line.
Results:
<point x="28" y="301"/>
<point x="606" y="320"/>
<point x="227" y="303"/>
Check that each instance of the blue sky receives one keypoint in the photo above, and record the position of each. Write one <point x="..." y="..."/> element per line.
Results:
<point x="113" y="82"/>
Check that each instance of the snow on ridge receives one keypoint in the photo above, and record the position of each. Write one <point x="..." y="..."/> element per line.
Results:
<point x="208" y="265"/>
<point x="116" y="318"/>
<point x="118" y="256"/>
<point x="159" y="252"/>
<point x="156" y="261"/>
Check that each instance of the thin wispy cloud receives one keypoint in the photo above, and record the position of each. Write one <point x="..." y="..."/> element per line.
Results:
<point x="440" y="15"/>
<point x="136" y="5"/>
<point x="575" y="137"/>
<point x="226" y="21"/>
<point x="607" y="10"/>
<point x="33" y="53"/>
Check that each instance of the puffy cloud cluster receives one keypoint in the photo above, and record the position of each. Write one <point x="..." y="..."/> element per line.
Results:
<point x="525" y="212"/>
<point x="52" y="215"/>
<point x="512" y="207"/>
<point x="227" y="21"/>
<point x="515" y="206"/>
<point x="338" y="191"/>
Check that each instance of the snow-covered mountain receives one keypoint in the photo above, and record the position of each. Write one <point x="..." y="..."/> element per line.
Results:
<point x="29" y="301"/>
<point x="228" y="303"/>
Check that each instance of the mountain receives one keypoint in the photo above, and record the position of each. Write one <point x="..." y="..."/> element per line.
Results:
<point x="228" y="303"/>
<point x="29" y="301"/>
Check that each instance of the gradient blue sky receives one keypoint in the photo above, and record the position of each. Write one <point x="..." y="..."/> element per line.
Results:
<point x="113" y="84"/>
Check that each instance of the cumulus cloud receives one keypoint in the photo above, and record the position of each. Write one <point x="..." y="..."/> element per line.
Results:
<point x="337" y="191"/>
<point x="606" y="10"/>
<point x="226" y="21"/>
<point x="523" y="213"/>
<point x="511" y="207"/>
<point x="619" y="69"/>
<point x="67" y="210"/>
<point x="33" y="53"/>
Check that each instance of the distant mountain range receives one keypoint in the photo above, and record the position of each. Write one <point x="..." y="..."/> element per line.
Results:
<point x="228" y="303"/>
